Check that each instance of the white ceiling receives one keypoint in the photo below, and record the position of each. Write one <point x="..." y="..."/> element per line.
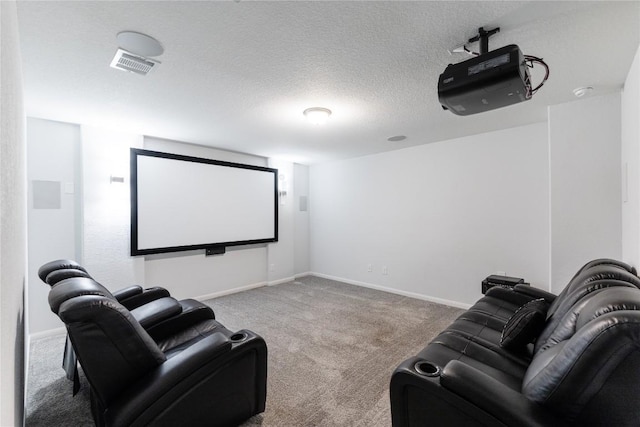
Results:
<point x="237" y="75"/>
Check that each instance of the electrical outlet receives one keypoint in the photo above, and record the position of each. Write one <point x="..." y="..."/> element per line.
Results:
<point x="370" y="268"/>
<point x="272" y="267"/>
<point x="385" y="271"/>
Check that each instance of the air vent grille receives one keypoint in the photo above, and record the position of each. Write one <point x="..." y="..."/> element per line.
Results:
<point x="127" y="61"/>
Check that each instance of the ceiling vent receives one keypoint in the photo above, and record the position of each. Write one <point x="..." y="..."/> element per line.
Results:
<point x="127" y="61"/>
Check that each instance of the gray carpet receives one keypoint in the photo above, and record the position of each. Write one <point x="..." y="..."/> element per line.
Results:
<point x="332" y="349"/>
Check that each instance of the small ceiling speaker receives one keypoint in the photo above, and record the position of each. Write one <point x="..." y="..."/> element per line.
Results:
<point x="140" y="44"/>
<point x="127" y="61"/>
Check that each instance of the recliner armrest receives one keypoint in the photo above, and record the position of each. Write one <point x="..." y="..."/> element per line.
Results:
<point x="132" y="300"/>
<point x="503" y="403"/>
<point x="535" y="292"/>
<point x="163" y="390"/>
<point x="160" y="381"/>
<point x="192" y="312"/>
<point x="156" y="311"/>
<point x="128" y="292"/>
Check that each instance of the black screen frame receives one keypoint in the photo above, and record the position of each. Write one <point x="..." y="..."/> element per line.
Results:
<point x="213" y="247"/>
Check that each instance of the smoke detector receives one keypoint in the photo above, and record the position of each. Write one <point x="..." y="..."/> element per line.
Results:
<point x="128" y="61"/>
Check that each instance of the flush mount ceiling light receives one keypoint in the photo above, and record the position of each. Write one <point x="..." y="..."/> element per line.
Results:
<point x="582" y="91"/>
<point x="317" y="115"/>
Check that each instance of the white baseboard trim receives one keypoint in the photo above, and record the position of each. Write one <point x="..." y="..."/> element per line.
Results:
<point x="230" y="291"/>
<point x="47" y="333"/>
<point x="280" y="281"/>
<point x="305" y="274"/>
<point x="450" y="303"/>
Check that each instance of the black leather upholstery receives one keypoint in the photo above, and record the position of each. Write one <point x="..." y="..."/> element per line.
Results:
<point x="203" y="374"/>
<point x="59" y="264"/>
<point x="161" y="315"/>
<point x="583" y="369"/>
<point x="152" y="307"/>
<point x="131" y="297"/>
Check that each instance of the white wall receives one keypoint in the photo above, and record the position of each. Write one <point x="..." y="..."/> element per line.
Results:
<point x="106" y="208"/>
<point x="631" y="164"/>
<point x="13" y="233"/>
<point x="535" y="202"/>
<point x="192" y="274"/>
<point x="52" y="155"/>
<point x="584" y="140"/>
<point x="440" y="217"/>
<point x="301" y="219"/>
<point x="281" y="255"/>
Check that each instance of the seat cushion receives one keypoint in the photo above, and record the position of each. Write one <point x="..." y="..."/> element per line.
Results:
<point x="479" y="325"/>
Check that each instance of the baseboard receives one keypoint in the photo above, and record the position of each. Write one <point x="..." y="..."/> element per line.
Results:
<point x="450" y="303"/>
<point x="280" y="281"/>
<point x="305" y="274"/>
<point x="47" y="333"/>
<point x="230" y="291"/>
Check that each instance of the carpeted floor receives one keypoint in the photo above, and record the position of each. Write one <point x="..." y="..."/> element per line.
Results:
<point x="332" y="349"/>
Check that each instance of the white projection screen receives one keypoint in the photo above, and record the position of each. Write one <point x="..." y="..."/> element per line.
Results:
<point x="181" y="203"/>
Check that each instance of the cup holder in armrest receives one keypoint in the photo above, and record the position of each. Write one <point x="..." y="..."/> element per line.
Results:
<point x="238" y="337"/>
<point x="427" y="369"/>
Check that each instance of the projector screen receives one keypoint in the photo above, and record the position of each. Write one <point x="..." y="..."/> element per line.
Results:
<point x="181" y="203"/>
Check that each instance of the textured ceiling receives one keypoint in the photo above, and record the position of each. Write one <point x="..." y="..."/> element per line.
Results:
<point x="237" y="75"/>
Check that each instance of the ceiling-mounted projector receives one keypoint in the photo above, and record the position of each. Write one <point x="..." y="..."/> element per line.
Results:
<point x="488" y="81"/>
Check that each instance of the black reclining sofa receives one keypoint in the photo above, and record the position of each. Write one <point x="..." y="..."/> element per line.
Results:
<point x="169" y="364"/>
<point x="525" y="357"/>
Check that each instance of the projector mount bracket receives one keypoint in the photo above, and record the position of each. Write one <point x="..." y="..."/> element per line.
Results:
<point x="483" y="38"/>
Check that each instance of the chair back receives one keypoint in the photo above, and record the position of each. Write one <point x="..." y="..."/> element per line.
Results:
<point x="111" y="345"/>
<point x="590" y="376"/>
<point x="587" y="281"/>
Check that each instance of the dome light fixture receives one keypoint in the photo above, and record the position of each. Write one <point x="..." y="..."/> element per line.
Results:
<point x="317" y="115"/>
<point x="583" y="91"/>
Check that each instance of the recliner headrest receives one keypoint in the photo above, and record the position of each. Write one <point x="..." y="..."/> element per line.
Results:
<point x="601" y="272"/>
<point x="59" y="275"/>
<point x="59" y="264"/>
<point x="596" y="273"/>
<point x="74" y="287"/>
<point x="592" y="306"/>
<point x="607" y="301"/>
<point x="566" y="301"/>
<point x="609" y="262"/>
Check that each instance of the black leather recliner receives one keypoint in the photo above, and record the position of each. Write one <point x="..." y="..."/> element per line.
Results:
<point x="131" y="297"/>
<point x="201" y="374"/>
<point x="146" y="305"/>
<point x="582" y="369"/>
